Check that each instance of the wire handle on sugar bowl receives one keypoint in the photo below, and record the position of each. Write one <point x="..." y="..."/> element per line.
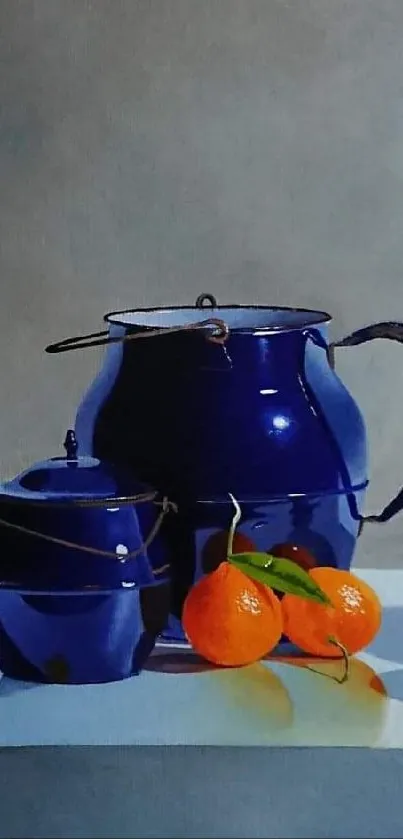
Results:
<point x="166" y="507"/>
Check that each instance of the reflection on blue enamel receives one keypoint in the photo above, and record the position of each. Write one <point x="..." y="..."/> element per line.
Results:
<point x="276" y="423"/>
<point x="281" y="423"/>
<point x="272" y="431"/>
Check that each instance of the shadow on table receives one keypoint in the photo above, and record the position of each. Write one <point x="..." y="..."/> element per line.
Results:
<point x="389" y="642"/>
<point x="393" y="682"/>
<point x="178" y="661"/>
<point x="9" y="687"/>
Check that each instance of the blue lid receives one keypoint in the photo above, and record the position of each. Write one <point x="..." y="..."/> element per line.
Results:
<point x="72" y="478"/>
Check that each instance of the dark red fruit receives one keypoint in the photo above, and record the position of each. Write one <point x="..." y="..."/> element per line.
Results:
<point x="215" y="549"/>
<point x="299" y="555"/>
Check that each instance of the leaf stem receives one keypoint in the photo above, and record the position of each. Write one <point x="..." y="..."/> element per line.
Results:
<point x="346" y="658"/>
<point x="234" y="524"/>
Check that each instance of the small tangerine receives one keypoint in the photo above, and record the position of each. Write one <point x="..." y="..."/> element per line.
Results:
<point x="230" y="620"/>
<point x="352" y="620"/>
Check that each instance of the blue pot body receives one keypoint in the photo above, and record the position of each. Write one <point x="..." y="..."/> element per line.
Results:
<point x="264" y="417"/>
<point x="323" y="524"/>
<point x="70" y="615"/>
<point x="30" y="564"/>
<point x="79" y="639"/>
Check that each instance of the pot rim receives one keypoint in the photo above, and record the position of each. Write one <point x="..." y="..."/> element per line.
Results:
<point x="308" y="317"/>
<point x="72" y="501"/>
<point x="285" y="497"/>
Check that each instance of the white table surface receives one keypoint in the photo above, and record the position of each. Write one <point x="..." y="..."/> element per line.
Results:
<point x="271" y="703"/>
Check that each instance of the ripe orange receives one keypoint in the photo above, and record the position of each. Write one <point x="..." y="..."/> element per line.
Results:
<point x="216" y="547"/>
<point x="230" y="620"/>
<point x="352" y="620"/>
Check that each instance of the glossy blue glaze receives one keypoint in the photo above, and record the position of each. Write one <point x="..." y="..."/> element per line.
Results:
<point x="264" y="417"/>
<point x="79" y="639"/>
<point x="68" y="613"/>
<point x="326" y="525"/>
<point x="31" y="564"/>
<point x="50" y="499"/>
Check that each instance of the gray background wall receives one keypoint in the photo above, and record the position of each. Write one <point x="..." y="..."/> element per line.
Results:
<point x="154" y="149"/>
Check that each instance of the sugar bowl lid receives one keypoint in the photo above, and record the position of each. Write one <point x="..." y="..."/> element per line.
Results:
<point x="72" y="479"/>
<point x="78" y="524"/>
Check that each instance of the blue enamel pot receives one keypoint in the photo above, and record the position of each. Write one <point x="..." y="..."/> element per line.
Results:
<point x="233" y="399"/>
<point x="84" y="573"/>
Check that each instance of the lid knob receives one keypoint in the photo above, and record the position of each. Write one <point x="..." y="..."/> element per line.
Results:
<point x="71" y="445"/>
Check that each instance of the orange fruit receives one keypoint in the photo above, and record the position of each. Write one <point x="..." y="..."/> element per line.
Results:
<point x="215" y="549"/>
<point x="230" y="620"/>
<point x="353" y="619"/>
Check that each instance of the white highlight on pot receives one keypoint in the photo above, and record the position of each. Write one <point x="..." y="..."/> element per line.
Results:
<point x="280" y="423"/>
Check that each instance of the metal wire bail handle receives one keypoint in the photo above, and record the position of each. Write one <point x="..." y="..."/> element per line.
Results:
<point x="391" y="331"/>
<point x="166" y="507"/>
<point x="206" y="301"/>
<point x="218" y="332"/>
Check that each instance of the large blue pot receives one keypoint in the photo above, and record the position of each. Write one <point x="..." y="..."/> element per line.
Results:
<point x="84" y="575"/>
<point x="246" y="402"/>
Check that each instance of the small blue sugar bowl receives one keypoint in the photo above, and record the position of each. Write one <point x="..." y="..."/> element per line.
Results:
<point x="84" y="573"/>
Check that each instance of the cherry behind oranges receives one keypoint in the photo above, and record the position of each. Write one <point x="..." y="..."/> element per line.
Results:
<point x="298" y="554"/>
<point x="216" y="547"/>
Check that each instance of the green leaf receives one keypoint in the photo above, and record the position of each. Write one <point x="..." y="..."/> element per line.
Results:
<point x="281" y="574"/>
